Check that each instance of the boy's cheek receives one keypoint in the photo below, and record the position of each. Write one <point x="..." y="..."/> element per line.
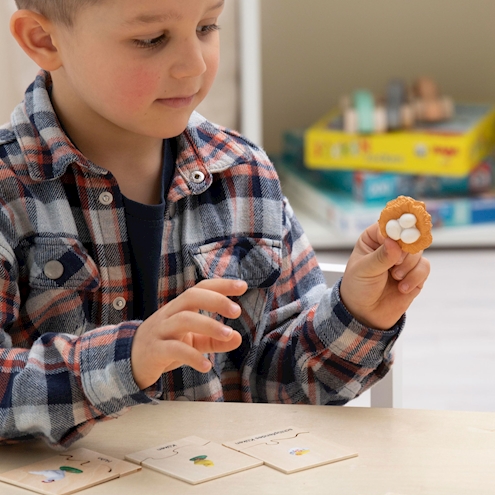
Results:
<point x="134" y="88"/>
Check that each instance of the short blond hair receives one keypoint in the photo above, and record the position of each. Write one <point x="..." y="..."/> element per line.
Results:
<point x="62" y="11"/>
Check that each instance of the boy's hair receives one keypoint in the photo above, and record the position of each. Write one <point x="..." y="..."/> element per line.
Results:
<point x="61" y="11"/>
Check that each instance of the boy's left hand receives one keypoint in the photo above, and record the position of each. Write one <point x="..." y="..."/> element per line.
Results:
<point x="381" y="280"/>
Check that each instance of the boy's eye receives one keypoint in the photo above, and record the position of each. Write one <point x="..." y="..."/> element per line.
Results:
<point x="150" y="43"/>
<point x="156" y="42"/>
<point x="207" y="29"/>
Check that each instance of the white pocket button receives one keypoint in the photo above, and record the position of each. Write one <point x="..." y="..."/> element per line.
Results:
<point x="197" y="177"/>
<point x="53" y="269"/>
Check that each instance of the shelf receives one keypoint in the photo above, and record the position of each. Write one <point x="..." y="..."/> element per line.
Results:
<point x="322" y="236"/>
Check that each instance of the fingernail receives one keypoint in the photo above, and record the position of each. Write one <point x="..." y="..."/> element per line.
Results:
<point x="234" y="308"/>
<point x="404" y="287"/>
<point x="399" y="275"/>
<point x="226" y="331"/>
<point x="206" y="365"/>
<point x="239" y="283"/>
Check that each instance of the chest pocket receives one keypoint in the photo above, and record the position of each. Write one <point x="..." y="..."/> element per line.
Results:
<point x="62" y="263"/>
<point x="62" y="278"/>
<point x="256" y="261"/>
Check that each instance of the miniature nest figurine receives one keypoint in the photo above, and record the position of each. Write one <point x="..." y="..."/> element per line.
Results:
<point x="406" y="221"/>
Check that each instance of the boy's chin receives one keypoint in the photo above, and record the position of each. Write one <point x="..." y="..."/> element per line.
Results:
<point x="164" y="131"/>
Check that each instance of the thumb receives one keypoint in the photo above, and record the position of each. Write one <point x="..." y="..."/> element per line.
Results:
<point x="384" y="258"/>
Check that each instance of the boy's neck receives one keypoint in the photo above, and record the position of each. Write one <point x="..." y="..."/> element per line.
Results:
<point x="128" y="156"/>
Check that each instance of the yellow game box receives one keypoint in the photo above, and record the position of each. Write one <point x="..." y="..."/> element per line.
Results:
<point x="453" y="148"/>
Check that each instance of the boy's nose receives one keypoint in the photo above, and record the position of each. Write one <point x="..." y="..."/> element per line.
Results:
<point x="189" y="60"/>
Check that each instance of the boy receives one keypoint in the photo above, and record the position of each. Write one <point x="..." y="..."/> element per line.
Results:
<point x="136" y="238"/>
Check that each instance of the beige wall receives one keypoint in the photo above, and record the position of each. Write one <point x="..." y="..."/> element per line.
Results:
<point x="17" y="69"/>
<point x="221" y="105"/>
<point x="314" y="51"/>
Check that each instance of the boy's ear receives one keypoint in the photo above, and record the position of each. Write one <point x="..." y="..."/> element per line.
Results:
<point x="33" y="32"/>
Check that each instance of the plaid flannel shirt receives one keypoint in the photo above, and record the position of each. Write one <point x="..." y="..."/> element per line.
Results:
<point x="66" y="285"/>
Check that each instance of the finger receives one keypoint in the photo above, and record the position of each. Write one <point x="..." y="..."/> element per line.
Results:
<point x="415" y="279"/>
<point x="225" y="286"/>
<point x="373" y="239"/>
<point x="370" y="240"/>
<point x="184" y="322"/>
<point x="403" y="256"/>
<point x="381" y="259"/>
<point x="405" y="265"/>
<point x="200" y="298"/>
<point x="206" y="344"/>
<point x="175" y="351"/>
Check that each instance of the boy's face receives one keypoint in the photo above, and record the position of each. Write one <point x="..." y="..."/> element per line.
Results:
<point x="142" y="66"/>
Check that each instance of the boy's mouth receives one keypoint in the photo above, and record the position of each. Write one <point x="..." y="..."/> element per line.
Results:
<point x="177" y="102"/>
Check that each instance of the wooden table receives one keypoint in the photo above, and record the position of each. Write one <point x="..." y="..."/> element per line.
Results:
<point x="401" y="452"/>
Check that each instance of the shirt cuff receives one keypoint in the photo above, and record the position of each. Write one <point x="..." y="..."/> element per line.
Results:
<point x="106" y="372"/>
<point x="346" y="337"/>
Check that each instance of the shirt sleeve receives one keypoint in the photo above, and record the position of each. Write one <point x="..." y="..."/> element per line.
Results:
<point x="60" y="387"/>
<point x="313" y="351"/>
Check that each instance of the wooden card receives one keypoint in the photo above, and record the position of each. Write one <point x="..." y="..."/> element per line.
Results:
<point x="194" y="460"/>
<point x="68" y="472"/>
<point x="291" y="449"/>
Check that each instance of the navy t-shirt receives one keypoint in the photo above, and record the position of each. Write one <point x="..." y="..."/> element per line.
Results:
<point x="145" y="231"/>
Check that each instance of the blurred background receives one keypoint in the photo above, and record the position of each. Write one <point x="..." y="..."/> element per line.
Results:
<point x="318" y="50"/>
<point x="287" y="63"/>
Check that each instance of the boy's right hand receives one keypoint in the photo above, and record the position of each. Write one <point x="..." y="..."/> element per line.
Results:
<point x="177" y="334"/>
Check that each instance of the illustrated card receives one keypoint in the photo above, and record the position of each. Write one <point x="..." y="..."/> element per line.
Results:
<point x="194" y="460"/>
<point x="291" y="449"/>
<point x="69" y="472"/>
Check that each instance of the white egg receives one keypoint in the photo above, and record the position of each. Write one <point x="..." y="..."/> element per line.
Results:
<point x="409" y="236"/>
<point x="393" y="229"/>
<point x="407" y="220"/>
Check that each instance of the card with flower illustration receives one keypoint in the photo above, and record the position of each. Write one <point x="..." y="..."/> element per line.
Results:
<point x="193" y="460"/>
<point x="291" y="449"/>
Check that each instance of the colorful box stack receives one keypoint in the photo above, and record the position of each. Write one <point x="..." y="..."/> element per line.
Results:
<point x="453" y="147"/>
<point x="351" y="198"/>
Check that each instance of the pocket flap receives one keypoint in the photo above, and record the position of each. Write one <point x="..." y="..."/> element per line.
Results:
<point x="256" y="261"/>
<point x="74" y="268"/>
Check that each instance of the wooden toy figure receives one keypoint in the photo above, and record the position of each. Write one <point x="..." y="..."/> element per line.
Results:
<point x="400" y="113"/>
<point x="429" y="105"/>
<point x="362" y="114"/>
